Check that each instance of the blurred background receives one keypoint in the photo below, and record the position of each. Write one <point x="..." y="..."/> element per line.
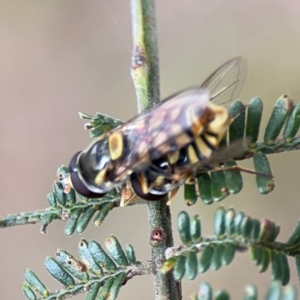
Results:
<point x="59" y="57"/>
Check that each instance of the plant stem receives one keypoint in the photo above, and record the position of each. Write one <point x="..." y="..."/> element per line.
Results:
<point x="30" y="217"/>
<point x="145" y="68"/>
<point x="145" y="75"/>
<point x="142" y="268"/>
<point x="280" y="145"/>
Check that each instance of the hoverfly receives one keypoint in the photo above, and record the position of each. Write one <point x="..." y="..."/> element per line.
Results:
<point x="166" y="145"/>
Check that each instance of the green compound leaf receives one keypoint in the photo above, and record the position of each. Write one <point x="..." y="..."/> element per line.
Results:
<point x="191" y="265"/>
<point x="281" y="110"/>
<point x="297" y="259"/>
<point x="294" y="239"/>
<point x="264" y="184"/>
<point x="219" y="222"/>
<point x="28" y="291"/>
<point x="255" y="253"/>
<point x="228" y="254"/>
<point x="237" y="127"/>
<point x="84" y="275"/>
<point x="115" y="250"/>
<point x="59" y="193"/>
<point x="285" y="269"/>
<point x="246" y="227"/>
<point x="52" y="199"/>
<point x="238" y="220"/>
<point x="58" y="272"/>
<point x="233" y="232"/>
<point x="204" y="184"/>
<point x="268" y="231"/>
<point x="103" y="213"/>
<point x="205" y="292"/>
<point x="190" y="194"/>
<point x="265" y="260"/>
<point x="292" y="124"/>
<point x="85" y="218"/>
<point x="115" y="288"/>
<point x="275" y="292"/>
<point x="229" y="221"/>
<point x="219" y="190"/>
<point x="75" y="267"/>
<point x="81" y="214"/>
<point x="93" y="291"/>
<point x="72" y="221"/>
<point x="101" y="257"/>
<point x="99" y="124"/>
<point x="251" y="293"/>
<point x="88" y="259"/>
<point x="70" y="197"/>
<point x="46" y="220"/>
<point x="130" y="253"/>
<point x="289" y="293"/>
<point x="34" y="282"/>
<point x="64" y="205"/>
<point x="183" y="225"/>
<point x="195" y="229"/>
<point x="217" y="258"/>
<point x="179" y="268"/>
<point x="276" y="266"/>
<point x="221" y="295"/>
<point x="169" y="265"/>
<point x="254" y="115"/>
<point x="105" y="289"/>
<point x="255" y="229"/>
<point x="233" y="179"/>
<point x="206" y="258"/>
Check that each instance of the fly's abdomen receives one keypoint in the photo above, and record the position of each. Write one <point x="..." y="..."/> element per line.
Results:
<point x="206" y="135"/>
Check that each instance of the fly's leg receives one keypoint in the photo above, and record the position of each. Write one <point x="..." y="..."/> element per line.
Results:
<point x="239" y="113"/>
<point x="127" y="196"/>
<point x="242" y="169"/>
<point x="172" y="195"/>
<point x="130" y="200"/>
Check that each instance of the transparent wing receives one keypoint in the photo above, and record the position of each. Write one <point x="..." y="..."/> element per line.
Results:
<point x="227" y="81"/>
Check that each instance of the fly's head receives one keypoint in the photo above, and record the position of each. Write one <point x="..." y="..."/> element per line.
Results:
<point x="89" y="170"/>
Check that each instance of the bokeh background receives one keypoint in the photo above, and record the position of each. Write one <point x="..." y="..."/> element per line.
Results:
<point x="59" y="57"/>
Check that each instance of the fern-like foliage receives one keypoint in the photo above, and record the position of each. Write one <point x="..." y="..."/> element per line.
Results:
<point x="213" y="186"/>
<point x="234" y="232"/>
<point x="217" y="185"/>
<point x="99" y="273"/>
<point x="275" y="292"/>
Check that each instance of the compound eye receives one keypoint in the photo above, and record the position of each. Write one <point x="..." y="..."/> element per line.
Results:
<point x="77" y="183"/>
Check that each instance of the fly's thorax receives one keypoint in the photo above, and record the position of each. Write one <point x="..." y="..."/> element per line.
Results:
<point x="216" y="127"/>
<point x="116" y="145"/>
